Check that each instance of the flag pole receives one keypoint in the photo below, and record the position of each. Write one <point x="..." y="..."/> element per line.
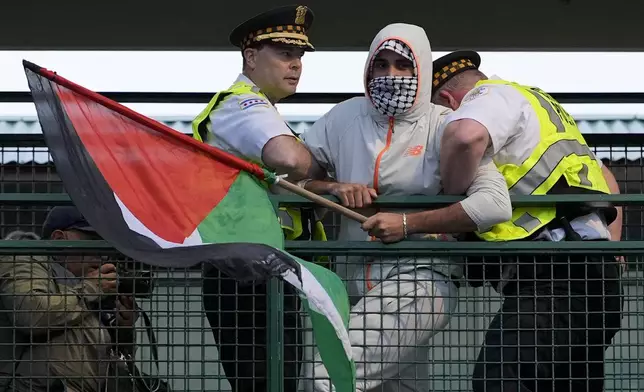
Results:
<point x="320" y="200"/>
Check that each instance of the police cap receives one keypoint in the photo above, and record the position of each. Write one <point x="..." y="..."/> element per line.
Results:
<point x="452" y="64"/>
<point x="286" y="25"/>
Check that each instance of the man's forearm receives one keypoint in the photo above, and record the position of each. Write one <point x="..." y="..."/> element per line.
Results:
<point x="320" y="187"/>
<point x="487" y="204"/>
<point x="452" y="219"/>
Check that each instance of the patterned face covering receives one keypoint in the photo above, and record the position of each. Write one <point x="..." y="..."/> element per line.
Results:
<point x="393" y="95"/>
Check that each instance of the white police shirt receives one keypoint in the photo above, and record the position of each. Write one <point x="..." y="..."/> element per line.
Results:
<point x="243" y="124"/>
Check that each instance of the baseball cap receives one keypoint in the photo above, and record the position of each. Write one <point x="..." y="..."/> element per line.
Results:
<point x="65" y="218"/>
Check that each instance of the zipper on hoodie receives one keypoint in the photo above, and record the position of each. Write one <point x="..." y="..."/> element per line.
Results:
<point x="376" y="170"/>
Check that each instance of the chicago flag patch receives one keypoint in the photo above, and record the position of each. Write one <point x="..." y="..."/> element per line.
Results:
<point x="477" y="92"/>
<point x="250" y="102"/>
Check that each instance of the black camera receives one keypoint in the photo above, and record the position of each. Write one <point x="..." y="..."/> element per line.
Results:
<point x="135" y="282"/>
<point x="132" y="281"/>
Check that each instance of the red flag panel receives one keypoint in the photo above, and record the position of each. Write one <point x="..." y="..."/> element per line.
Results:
<point x="169" y="185"/>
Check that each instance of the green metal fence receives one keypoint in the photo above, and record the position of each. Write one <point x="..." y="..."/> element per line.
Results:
<point x="188" y="357"/>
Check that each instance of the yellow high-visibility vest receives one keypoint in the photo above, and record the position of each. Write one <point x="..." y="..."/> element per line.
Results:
<point x="290" y="218"/>
<point x="561" y="153"/>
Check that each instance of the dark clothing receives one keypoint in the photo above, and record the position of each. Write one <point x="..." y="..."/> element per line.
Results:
<point x="556" y="321"/>
<point x="237" y="314"/>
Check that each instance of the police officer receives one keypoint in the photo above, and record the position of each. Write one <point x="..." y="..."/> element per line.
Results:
<point x="559" y="314"/>
<point x="243" y="120"/>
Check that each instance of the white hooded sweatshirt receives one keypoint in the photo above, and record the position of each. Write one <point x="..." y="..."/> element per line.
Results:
<point x="396" y="155"/>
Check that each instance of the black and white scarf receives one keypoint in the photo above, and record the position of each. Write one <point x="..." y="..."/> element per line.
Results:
<point x="393" y="95"/>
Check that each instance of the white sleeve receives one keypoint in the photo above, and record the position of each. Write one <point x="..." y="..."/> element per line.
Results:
<point x="488" y="200"/>
<point x="316" y="139"/>
<point x="498" y="108"/>
<point x="246" y="123"/>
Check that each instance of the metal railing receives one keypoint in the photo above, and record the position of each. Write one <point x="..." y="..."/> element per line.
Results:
<point x="450" y="358"/>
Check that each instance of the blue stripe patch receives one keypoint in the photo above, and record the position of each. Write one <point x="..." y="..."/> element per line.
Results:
<point x="250" y="102"/>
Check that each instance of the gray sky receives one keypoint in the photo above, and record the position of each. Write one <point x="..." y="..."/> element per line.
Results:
<point x="323" y="72"/>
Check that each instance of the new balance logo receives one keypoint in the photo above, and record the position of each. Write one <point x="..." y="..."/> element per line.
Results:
<point x="413" y="151"/>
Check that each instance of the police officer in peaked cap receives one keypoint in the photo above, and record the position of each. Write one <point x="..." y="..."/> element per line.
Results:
<point x="244" y="121"/>
<point x="569" y="306"/>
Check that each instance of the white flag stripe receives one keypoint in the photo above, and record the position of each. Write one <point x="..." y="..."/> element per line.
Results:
<point x="320" y="302"/>
<point x="138" y="227"/>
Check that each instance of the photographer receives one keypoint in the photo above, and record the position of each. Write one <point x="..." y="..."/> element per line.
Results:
<point x="54" y="312"/>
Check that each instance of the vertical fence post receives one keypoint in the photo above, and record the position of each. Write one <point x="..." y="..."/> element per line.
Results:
<point x="275" y="329"/>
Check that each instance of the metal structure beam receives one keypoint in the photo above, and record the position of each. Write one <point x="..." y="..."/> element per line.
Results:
<point x="314" y="98"/>
<point x="559" y="25"/>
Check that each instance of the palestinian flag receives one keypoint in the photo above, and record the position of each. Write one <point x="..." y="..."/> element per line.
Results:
<point x="165" y="199"/>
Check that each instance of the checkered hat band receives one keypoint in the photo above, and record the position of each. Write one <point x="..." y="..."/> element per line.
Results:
<point x="270" y="30"/>
<point x="451" y="69"/>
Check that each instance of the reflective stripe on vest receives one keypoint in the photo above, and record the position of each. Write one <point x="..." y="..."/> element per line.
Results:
<point x="561" y="152"/>
<point x="290" y="218"/>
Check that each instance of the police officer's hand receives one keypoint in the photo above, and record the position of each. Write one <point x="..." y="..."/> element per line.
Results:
<point x="385" y="226"/>
<point x="105" y="277"/>
<point x="353" y="195"/>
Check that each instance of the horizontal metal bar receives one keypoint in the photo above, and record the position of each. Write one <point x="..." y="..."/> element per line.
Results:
<point x="358" y="248"/>
<point x="28" y="247"/>
<point x="615" y="141"/>
<point x="517" y="201"/>
<point x="629" y="278"/>
<point x="22" y="140"/>
<point x="437" y="248"/>
<point x="32" y="199"/>
<point x="383" y="201"/>
<point x="184" y="97"/>
<point x="316" y="98"/>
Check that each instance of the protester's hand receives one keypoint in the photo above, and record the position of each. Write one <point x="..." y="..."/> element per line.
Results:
<point x="622" y="263"/>
<point x="616" y="236"/>
<point x="126" y="314"/>
<point x="353" y="195"/>
<point x="385" y="226"/>
<point x="105" y="277"/>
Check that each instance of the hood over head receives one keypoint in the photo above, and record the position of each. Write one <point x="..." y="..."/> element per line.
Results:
<point x="402" y="97"/>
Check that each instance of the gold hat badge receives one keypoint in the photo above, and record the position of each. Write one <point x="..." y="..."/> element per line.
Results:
<point x="300" y="14"/>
